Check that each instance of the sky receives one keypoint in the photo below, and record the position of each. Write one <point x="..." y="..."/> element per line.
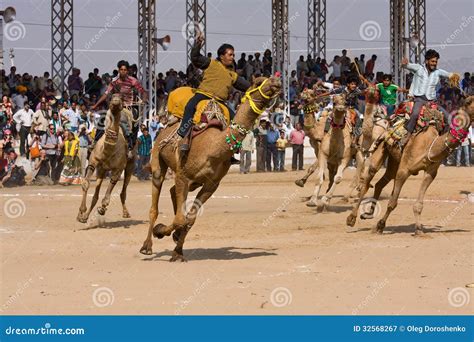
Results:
<point x="360" y="26"/>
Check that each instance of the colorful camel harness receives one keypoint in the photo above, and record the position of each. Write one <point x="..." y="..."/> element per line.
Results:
<point x="234" y="143"/>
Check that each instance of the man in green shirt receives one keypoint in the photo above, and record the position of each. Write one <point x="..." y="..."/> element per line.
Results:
<point x="388" y="93"/>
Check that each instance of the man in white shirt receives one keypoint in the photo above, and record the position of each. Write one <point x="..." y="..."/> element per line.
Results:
<point x="72" y="118"/>
<point x="24" y="118"/>
<point x="423" y="87"/>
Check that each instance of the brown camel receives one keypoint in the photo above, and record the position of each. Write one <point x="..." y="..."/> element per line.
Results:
<point x="424" y="152"/>
<point x="109" y="154"/>
<point x="334" y="154"/>
<point x="205" y="165"/>
<point x="375" y="125"/>
<point x="313" y="129"/>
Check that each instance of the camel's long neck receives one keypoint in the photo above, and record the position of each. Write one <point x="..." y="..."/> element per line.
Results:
<point x="111" y="133"/>
<point x="337" y="125"/>
<point x="448" y="141"/>
<point x="369" y="111"/>
<point x="245" y="118"/>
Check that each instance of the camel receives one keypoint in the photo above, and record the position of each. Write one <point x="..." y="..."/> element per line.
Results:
<point x="334" y="154"/>
<point x="109" y="154"/>
<point x="204" y="167"/>
<point x="313" y="129"/>
<point x="424" y="152"/>
<point x="375" y="125"/>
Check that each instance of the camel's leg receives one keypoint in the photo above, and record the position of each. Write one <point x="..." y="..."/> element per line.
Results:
<point x="402" y="176"/>
<point x="182" y="189"/>
<point x="157" y="180"/>
<point x="180" y="234"/>
<point x="355" y="183"/>
<point x="376" y="162"/>
<point x="428" y="178"/>
<point x="82" y="216"/>
<point x="313" y="202"/>
<point x="337" y="179"/>
<point x="126" y="181"/>
<point x="173" y="198"/>
<point x="95" y="198"/>
<point x="301" y="182"/>
<point x="114" y="178"/>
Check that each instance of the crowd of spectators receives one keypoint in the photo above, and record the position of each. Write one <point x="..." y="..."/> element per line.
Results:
<point x="54" y="130"/>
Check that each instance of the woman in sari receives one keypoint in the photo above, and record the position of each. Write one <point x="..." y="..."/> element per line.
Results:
<point x="71" y="173"/>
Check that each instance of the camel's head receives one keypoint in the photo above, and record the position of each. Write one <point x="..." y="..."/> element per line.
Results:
<point x="115" y="104"/>
<point x="468" y="107"/>
<point x="372" y="95"/>
<point x="339" y="103"/>
<point x="270" y="87"/>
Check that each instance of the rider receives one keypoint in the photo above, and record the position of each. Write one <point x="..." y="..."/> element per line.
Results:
<point x="124" y="85"/>
<point x="423" y="87"/>
<point x="388" y="93"/>
<point x="218" y="79"/>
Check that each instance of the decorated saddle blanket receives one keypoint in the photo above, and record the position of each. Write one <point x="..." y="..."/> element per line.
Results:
<point x="206" y="111"/>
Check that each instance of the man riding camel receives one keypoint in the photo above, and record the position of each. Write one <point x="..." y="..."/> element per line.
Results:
<point x="124" y="85"/>
<point x="423" y="87"/>
<point x="219" y="78"/>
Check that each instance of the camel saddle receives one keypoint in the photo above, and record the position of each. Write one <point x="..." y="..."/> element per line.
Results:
<point x="429" y="116"/>
<point x="206" y="110"/>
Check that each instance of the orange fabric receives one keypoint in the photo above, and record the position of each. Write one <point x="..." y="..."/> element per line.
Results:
<point x="178" y="99"/>
<point x="352" y="116"/>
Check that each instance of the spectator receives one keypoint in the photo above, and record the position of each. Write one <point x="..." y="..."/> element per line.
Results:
<point x="248" y="146"/>
<point x="297" y="141"/>
<point x="144" y="151"/>
<point x="72" y="118"/>
<point x="84" y="143"/>
<point x="42" y="170"/>
<point x="241" y="62"/>
<point x="24" y="118"/>
<point x="361" y="64"/>
<point x="369" y="67"/>
<point x="464" y="147"/>
<point x="336" y="67"/>
<point x="272" y="137"/>
<point x="267" y="63"/>
<point x="301" y="68"/>
<point x="50" y="142"/>
<point x="71" y="173"/>
<point x="249" y="69"/>
<point x="14" y="175"/>
<point x="261" y="136"/>
<point x="40" y="119"/>
<point x="282" y="142"/>
<point x="20" y="99"/>
<point x="75" y="84"/>
<point x="257" y="65"/>
<point x="345" y="63"/>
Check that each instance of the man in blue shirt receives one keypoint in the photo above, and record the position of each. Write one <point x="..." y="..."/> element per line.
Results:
<point x="272" y="137"/>
<point x="423" y="87"/>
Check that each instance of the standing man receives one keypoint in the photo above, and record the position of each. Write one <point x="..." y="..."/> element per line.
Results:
<point x="144" y="151"/>
<point x="272" y="137"/>
<point x="50" y="142"/>
<point x="297" y="140"/>
<point x="124" y="85"/>
<point x="248" y="146"/>
<point x="24" y="118"/>
<point x="423" y="87"/>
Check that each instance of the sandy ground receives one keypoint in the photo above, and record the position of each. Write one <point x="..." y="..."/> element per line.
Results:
<point x="255" y="249"/>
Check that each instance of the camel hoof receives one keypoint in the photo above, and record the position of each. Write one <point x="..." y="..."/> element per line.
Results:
<point x="146" y="248"/>
<point x="320" y="208"/>
<point x="351" y="220"/>
<point x="300" y="182"/>
<point x="81" y="218"/>
<point x="311" y="204"/>
<point x="160" y="231"/>
<point x="101" y="211"/>
<point x="126" y="214"/>
<point x="378" y="229"/>
<point x="177" y="257"/>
